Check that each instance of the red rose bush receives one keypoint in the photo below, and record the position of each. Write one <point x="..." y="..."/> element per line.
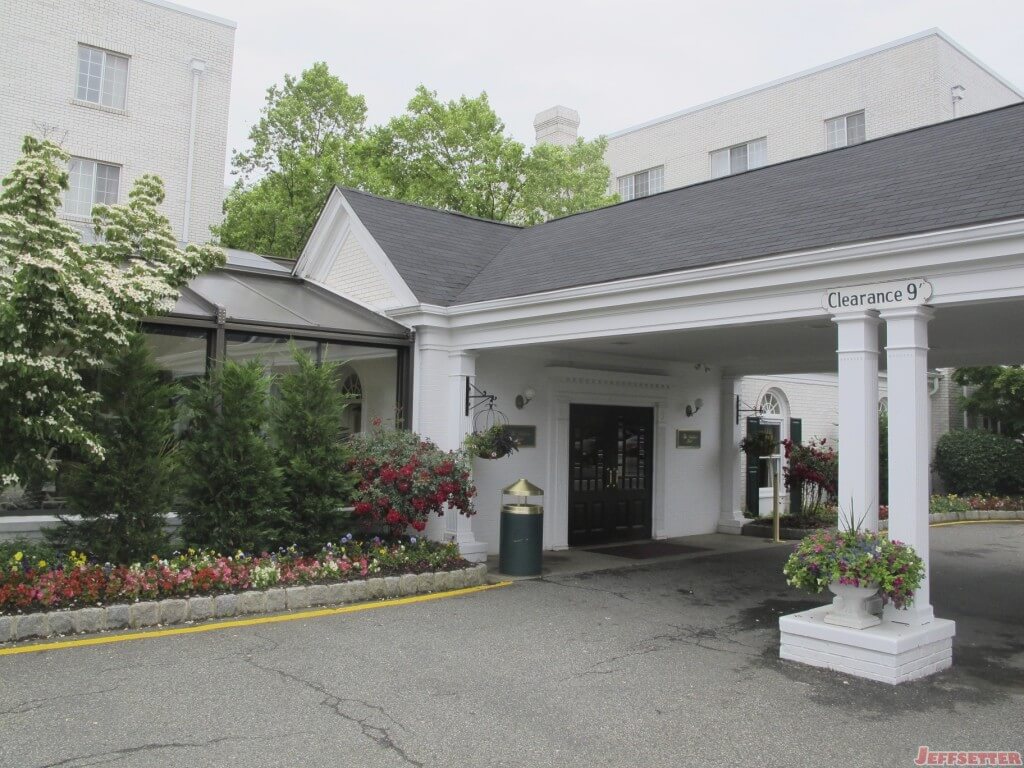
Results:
<point x="406" y="478"/>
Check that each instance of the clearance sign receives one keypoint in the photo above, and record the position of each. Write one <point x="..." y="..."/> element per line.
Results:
<point x="898" y="293"/>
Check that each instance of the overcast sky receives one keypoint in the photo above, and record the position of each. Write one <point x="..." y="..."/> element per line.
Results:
<point x="617" y="63"/>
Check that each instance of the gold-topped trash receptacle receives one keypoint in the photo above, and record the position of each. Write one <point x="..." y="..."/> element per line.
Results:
<point x="522" y="530"/>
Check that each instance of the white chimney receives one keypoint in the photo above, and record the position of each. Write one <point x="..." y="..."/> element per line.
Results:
<point x="558" y="125"/>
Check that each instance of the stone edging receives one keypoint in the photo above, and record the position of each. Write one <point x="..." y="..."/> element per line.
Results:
<point x="974" y="514"/>
<point x="201" y="608"/>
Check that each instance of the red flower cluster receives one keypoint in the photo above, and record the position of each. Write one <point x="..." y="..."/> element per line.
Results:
<point x="406" y="478"/>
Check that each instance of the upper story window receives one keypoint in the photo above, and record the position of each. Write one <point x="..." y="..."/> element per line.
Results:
<point x="102" y="77"/>
<point x="642" y="184"/>
<point x="91" y="183"/>
<point x="742" y="157"/>
<point x="845" y="130"/>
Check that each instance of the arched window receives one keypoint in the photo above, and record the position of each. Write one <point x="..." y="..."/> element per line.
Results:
<point x="771" y="405"/>
<point x="352" y="387"/>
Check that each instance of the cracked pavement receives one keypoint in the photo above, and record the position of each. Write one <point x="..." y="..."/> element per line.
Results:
<point x="674" y="663"/>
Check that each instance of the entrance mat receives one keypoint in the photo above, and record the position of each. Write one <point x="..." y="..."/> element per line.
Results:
<point x="647" y="549"/>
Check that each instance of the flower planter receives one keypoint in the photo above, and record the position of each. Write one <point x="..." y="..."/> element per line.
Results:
<point x="849" y="607"/>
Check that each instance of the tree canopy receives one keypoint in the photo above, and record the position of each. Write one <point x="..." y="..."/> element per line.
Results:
<point x="299" y="149"/>
<point x="995" y="392"/>
<point x="455" y="155"/>
<point x="66" y="306"/>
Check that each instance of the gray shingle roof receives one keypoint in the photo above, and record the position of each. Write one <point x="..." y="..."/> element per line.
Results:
<point x="437" y="253"/>
<point x="956" y="173"/>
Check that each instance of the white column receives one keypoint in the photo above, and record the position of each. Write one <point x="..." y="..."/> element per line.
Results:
<point x="909" y="443"/>
<point x="858" y="418"/>
<point x="730" y="517"/>
<point x="461" y="366"/>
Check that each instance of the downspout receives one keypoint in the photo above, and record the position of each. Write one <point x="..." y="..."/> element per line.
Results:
<point x="198" y="67"/>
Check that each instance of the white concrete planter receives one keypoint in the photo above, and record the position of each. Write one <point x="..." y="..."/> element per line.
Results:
<point x="850" y="606"/>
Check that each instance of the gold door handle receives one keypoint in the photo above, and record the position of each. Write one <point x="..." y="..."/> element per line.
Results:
<point x="613" y="478"/>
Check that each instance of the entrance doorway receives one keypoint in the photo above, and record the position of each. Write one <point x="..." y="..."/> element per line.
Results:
<point x="610" y="472"/>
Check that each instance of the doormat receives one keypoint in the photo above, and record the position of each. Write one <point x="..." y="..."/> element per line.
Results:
<point x="645" y="550"/>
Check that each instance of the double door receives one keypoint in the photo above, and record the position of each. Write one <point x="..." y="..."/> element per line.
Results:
<point x="610" y="472"/>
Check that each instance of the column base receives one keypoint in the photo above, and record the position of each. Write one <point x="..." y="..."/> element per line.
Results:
<point x="889" y="653"/>
<point x="472" y="550"/>
<point x="734" y="526"/>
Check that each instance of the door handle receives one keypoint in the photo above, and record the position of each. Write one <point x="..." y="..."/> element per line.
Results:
<point x="613" y="478"/>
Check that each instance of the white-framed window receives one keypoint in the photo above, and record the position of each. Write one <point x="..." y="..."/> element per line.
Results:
<point x="845" y="130"/>
<point x="742" y="157"/>
<point x="102" y="77"/>
<point x="642" y="184"/>
<point x="90" y="183"/>
<point x="770" y="406"/>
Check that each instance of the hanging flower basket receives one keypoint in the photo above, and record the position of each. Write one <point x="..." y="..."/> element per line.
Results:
<point x="493" y="443"/>
<point x="759" y="444"/>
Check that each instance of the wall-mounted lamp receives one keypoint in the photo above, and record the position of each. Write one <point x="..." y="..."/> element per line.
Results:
<point x="692" y="409"/>
<point x="528" y="394"/>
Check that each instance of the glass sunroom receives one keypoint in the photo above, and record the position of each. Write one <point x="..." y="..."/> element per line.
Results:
<point x="254" y="307"/>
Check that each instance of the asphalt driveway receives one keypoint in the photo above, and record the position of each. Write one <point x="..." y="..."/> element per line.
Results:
<point x="673" y="664"/>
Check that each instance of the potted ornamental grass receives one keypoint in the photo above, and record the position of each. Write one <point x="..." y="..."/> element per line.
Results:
<point x="493" y="443"/>
<point x="855" y="565"/>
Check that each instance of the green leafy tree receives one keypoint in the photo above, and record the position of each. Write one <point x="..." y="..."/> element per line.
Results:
<point x="997" y="393"/>
<point x="299" y="150"/>
<point x="307" y="429"/>
<point x="122" y="501"/>
<point x="65" y="306"/>
<point x="232" y="485"/>
<point x="456" y="155"/>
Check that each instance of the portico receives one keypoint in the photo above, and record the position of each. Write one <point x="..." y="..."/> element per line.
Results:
<point x="648" y="312"/>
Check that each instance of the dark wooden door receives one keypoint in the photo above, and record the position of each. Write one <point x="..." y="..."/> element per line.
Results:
<point x="610" y="471"/>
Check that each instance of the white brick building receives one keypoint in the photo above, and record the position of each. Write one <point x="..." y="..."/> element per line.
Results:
<point x="915" y="81"/>
<point x="905" y="84"/>
<point x="127" y="87"/>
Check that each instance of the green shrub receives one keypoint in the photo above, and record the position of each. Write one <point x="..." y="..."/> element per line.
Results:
<point x="232" y="484"/>
<point x="307" y="429"/>
<point x="123" y="499"/>
<point x="975" y="461"/>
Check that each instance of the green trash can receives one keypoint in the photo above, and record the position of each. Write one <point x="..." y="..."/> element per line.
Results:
<point x="522" y="531"/>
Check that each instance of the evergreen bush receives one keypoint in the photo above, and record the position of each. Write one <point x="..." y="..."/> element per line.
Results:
<point x="976" y="461"/>
<point x="233" y="492"/>
<point x="122" y="500"/>
<point x="307" y="430"/>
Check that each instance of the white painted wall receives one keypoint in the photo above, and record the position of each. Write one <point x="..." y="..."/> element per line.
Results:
<point x="899" y="87"/>
<point x="39" y="61"/>
<point x="686" y="480"/>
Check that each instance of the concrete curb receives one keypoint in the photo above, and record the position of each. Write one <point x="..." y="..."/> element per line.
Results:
<point x="186" y="610"/>
<point x="971" y="515"/>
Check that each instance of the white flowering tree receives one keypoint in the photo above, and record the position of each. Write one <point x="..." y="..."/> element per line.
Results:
<point x="65" y="306"/>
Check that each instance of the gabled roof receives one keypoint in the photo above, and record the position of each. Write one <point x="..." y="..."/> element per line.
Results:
<point x="437" y="253"/>
<point x="956" y="173"/>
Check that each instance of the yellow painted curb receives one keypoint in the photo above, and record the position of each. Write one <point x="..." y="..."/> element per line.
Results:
<point x="973" y="522"/>
<point x="277" y="618"/>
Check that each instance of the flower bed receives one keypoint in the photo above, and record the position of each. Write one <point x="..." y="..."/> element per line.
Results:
<point x="28" y="582"/>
